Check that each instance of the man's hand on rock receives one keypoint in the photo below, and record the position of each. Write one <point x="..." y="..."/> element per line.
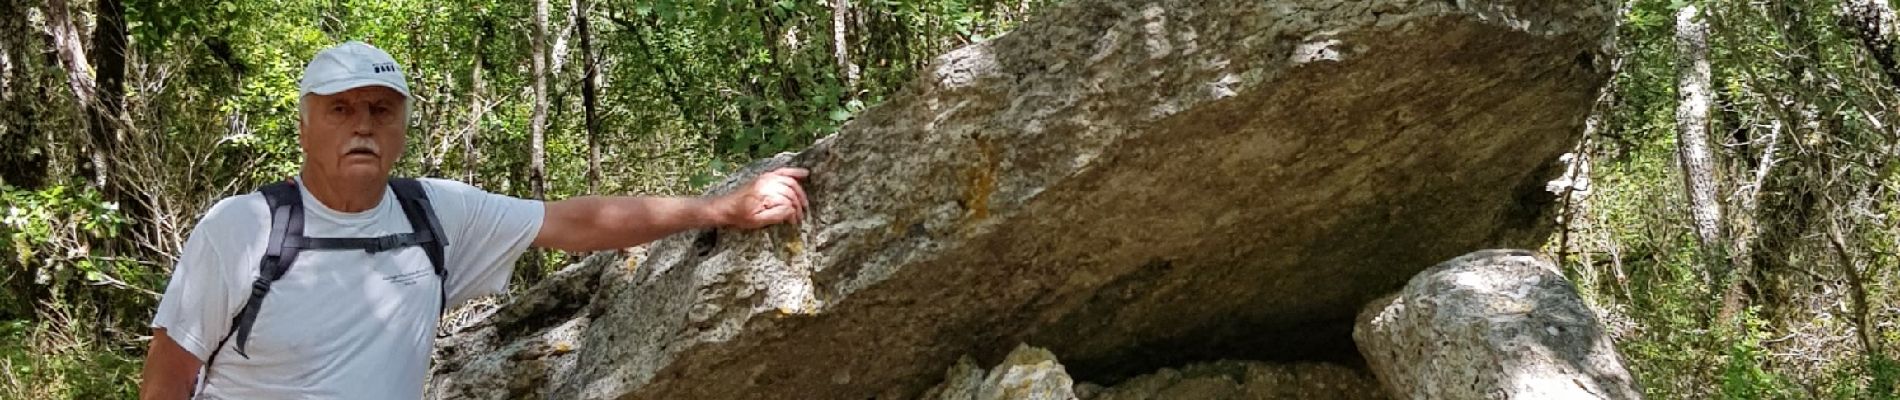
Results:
<point x="771" y="198"/>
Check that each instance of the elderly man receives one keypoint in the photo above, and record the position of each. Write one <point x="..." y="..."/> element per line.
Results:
<point x="352" y="307"/>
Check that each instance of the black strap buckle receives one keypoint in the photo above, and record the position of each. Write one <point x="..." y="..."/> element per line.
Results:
<point x="385" y="243"/>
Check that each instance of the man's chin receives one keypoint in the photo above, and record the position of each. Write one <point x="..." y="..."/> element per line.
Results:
<point x="363" y="170"/>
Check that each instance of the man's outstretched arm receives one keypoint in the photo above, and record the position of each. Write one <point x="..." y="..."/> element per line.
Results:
<point x="170" y="371"/>
<point x="601" y="223"/>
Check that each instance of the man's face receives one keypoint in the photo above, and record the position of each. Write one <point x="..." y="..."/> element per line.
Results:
<point x="354" y="134"/>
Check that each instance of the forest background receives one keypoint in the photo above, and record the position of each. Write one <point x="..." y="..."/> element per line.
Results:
<point x="1731" y="212"/>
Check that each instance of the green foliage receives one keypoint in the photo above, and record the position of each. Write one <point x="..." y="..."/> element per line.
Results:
<point x="1786" y="77"/>
<point x="49" y="347"/>
<point x="34" y="218"/>
<point x="765" y="72"/>
<point x="56" y="360"/>
<point x="48" y="233"/>
<point x="1880" y="372"/>
<point x="1743" y="373"/>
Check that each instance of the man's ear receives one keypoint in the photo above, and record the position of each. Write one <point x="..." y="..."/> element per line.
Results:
<point x="303" y="118"/>
<point x="302" y="125"/>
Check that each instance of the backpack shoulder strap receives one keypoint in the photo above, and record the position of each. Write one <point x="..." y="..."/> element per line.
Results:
<point x="428" y="230"/>
<point x="286" y="227"/>
<point x="286" y="230"/>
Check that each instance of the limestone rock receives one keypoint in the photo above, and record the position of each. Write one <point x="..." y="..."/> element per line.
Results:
<point x="1031" y="373"/>
<point x="1028" y="373"/>
<point x="515" y="350"/>
<point x="1247" y="380"/>
<point x="1494" y="324"/>
<point x="1137" y="183"/>
<point x="962" y="382"/>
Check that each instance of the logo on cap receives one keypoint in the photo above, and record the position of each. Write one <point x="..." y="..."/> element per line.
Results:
<point x="384" y="67"/>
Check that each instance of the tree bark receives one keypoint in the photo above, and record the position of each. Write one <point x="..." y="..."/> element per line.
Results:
<point x="20" y="73"/>
<point x="108" y="57"/>
<point x="6" y="72"/>
<point x="557" y="59"/>
<point x="67" y="44"/>
<point x="537" y="156"/>
<point x="1692" y="141"/>
<point x="589" y="102"/>
<point x="840" y="48"/>
<point x="475" y="106"/>
<point x="537" y="163"/>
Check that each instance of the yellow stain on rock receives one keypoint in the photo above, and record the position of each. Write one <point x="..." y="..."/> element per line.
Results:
<point x="981" y="179"/>
<point x="794" y="242"/>
<point x="807" y="307"/>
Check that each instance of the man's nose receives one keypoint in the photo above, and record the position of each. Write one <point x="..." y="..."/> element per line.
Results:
<point x="362" y="124"/>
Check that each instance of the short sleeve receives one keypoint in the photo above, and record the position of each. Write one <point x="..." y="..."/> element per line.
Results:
<point x="202" y="295"/>
<point x="486" y="233"/>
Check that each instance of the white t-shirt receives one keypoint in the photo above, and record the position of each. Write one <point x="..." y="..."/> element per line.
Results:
<point x="340" y="324"/>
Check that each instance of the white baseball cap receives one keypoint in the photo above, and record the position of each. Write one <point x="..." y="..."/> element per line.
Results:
<point x="351" y="65"/>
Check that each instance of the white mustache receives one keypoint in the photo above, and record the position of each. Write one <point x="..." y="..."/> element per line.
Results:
<point x="364" y="146"/>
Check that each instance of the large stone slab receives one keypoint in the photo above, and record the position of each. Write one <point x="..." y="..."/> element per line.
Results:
<point x="1494" y="324"/>
<point x="1136" y="183"/>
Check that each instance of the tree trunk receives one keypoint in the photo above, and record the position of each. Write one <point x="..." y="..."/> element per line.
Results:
<point x="68" y="45"/>
<point x="20" y="80"/>
<point x="1692" y="141"/>
<point x="589" y="102"/>
<point x="557" y="59"/>
<point x="558" y="33"/>
<point x="6" y="72"/>
<point x="475" y="107"/>
<point x="108" y="56"/>
<point x="840" y="48"/>
<point x="537" y="157"/>
<point x="537" y="163"/>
